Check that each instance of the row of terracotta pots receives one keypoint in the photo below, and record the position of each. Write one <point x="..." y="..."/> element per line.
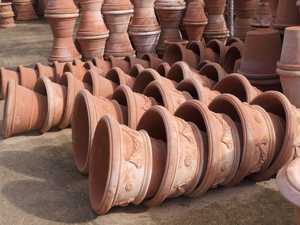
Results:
<point x="198" y="149"/>
<point x="6" y="15"/>
<point x="24" y="10"/>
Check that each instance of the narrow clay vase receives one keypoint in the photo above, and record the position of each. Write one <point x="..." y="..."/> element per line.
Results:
<point x="277" y="104"/>
<point x="144" y="29"/>
<point x="19" y="116"/>
<point x="88" y="110"/>
<point x="233" y="53"/>
<point x="117" y="16"/>
<point x="92" y="33"/>
<point x="7" y="15"/>
<point x="61" y="18"/>
<point x="261" y="138"/>
<point x="170" y="14"/>
<point x="195" y="20"/>
<point x="222" y="145"/>
<point x="182" y="155"/>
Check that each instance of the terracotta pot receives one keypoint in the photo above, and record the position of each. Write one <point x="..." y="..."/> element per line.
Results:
<point x="202" y="52"/>
<point x="7" y="15"/>
<point x="216" y="28"/>
<point x="92" y="33"/>
<point x="277" y="104"/>
<point x="233" y="40"/>
<point x="144" y="29"/>
<point x="102" y="64"/>
<point x="5" y="76"/>
<point x="119" y="77"/>
<point x="245" y="8"/>
<point x="18" y="117"/>
<point x="125" y="172"/>
<point x="239" y="86"/>
<point x="61" y="7"/>
<point x="107" y="65"/>
<point x="117" y="20"/>
<point x="24" y="10"/>
<point x="163" y="69"/>
<point x="288" y="183"/>
<point x="261" y="52"/>
<point x="168" y="97"/>
<point x="260" y="137"/>
<point x="287" y="15"/>
<point x="222" y="155"/>
<point x="215" y="7"/>
<point x="136" y="70"/>
<point x="56" y="101"/>
<point x="218" y="48"/>
<point x="132" y="60"/>
<point x="263" y="17"/>
<point x="149" y="75"/>
<point x="48" y="71"/>
<point x="273" y="6"/>
<point x="214" y="72"/>
<point x="242" y="26"/>
<point x="177" y="52"/>
<point x="289" y="59"/>
<point x="88" y="110"/>
<point x="195" y="20"/>
<point x="180" y="71"/>
<point x="153" y="60"/>
<point x="233" y="53"/>
<point x="170" y="14"/>
<point x="58" y="68"/>
<point x="28" y="77"/>
<point x="115" y="5"/>
<point x="78" y="68"/>
<point x="137" y="104"/>
<point x="197" y="90"/>
<point x="182" y="155"/>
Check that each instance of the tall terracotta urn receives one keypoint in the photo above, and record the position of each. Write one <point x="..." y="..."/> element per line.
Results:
<point x="24" y="10"/>
<point x="170" y="14"/>
<point x="144" y="29"/>
<point x="92" y="33"/>
<point x="61" y="16"/>
<point x="6" y="15"/>
<point x="117" y="15"/>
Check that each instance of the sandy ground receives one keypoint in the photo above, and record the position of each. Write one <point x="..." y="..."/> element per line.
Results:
<point x="39" y="184"/>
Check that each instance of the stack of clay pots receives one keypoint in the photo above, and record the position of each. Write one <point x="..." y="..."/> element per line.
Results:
<point x="288" y="66"/>
<point x="263" y="16"/>
<point x="6" y="15"/>
<point x="286" y="15"/>
<point x="244" y="12"/>
<point x="170" y="14"/>
<point x="194" y="20"/>
<point x="24" y="10"/>
<point x="117" y="15"/>
<point x="62" y="17"/>
<point x="261" y="52"/>
<point x="288" y="182"/>
<point x="144" y="29"/>
<point x="92" y="32"/>
<point x="216" y="27"/>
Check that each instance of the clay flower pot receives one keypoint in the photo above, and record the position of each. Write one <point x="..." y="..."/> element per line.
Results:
<point x="106" y="65"/>
<point x="87" y="111"/>
<point x="92" y="32"/>
<point x="117" y="16"/>
<point x="163" y="69"/>
<point x="259" y="132"/>
<point x="214" y="72"/>
<point x="233" y="53"/>
<point x="149" y="75"/>
<point x="239" y="86"/>
<point x="273" y="6"/>
<point x="218" y="48"/>
<point x="117" y="76"/>
<point x="261" y="52"/>
<point x="215" y="7"/>
<point x="170" y="14"/>
<point x="153" y="60"/>
<point x="277" y="104"/>
<point x="144" y="29"/>
<point x="79" y="68"/>
<point x="177" y="52"/>
<point x="242" y="26"/>
<point x="18" y="117"/>
<point x="5" y="76"/>
<point x="132" y="60"/>
<point x="136" y="70"/>
<point x="202" y="52"/>
<point x="263" y="17"/>
<point x="6" y="15"/>
<point x="24" y="10"/>
<point x="222" y="149"/>
<point x="195" y="20"/>
<point x="288" y="183"/>
<point x="44" y="70"/>
<point x="165" y="96"/>
<point x="179" y="167"/>
<point x="61" y="17"/>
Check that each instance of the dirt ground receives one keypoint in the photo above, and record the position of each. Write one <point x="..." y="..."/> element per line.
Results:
<point x="39" y="184"/>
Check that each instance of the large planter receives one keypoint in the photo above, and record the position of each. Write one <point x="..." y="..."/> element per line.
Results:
<point x="144" y="29"/>
<point x="62" y="18"/>
<point x="6" y="15"/>
<point x="92" y="33"/>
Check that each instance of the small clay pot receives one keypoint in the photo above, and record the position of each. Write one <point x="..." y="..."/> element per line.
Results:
<point x="222" y="145"/>
<point x="259" y="136"/>
<point x="242" y="26"/>
<point x="182" y="155"/>
<point x="136" y="70"/>
<point x="215" y="7"/>
<point x="245" y="8"/>
<point x="134" y="61"/>
<point x="5" y="76"/>
<point x="87" y="111"/>
<point x="119" y="77"/>
<point x="277" y="104"/>
<point x="24" y="10"/>
<point x="233" y="40"/>
<point x="58" y="69"/>
<point x="20" y="117"/>
<point x="263" y="16"/>
<point x="239" y="86"/>
<point x="78" y="68"/>
<point x="163" y="69"/>
<point x="48" y="71"/>
<point x="153" y="60"/>
<point x="202" y="52"/>
<point x="214" y="72"/>
<point x="233" y="53"/>
<point x="218" y="48"/>
<point x="149" y="75"/>
<point x="6" y="15"/>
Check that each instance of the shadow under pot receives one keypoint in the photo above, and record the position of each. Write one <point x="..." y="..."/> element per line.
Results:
<point x="259" y="133"/>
